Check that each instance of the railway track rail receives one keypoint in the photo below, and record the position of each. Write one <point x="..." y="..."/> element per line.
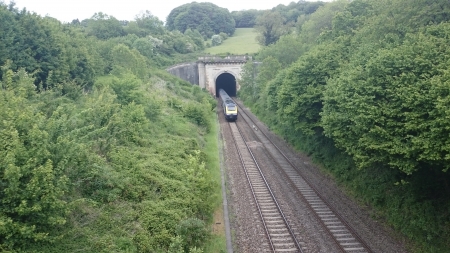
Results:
<point x="280" y="235"/>
<point x="342" y="233"/>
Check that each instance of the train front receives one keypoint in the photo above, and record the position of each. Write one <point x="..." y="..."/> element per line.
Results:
<point x="231" y="112"/>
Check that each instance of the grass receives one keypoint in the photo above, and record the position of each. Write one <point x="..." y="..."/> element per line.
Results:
<point x="217" y="243"/>
<point x="242" y="42"/>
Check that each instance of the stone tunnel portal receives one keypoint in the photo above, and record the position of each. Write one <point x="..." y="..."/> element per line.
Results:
<point x="227" y="82"/>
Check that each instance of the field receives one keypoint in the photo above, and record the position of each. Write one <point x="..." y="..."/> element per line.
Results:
<point x="243" y="41"/>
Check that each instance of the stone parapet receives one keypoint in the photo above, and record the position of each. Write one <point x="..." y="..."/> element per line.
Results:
<point x="227" y="59"/>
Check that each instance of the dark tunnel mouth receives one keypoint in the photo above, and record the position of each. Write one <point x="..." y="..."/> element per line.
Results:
<point x="227" y="82"/>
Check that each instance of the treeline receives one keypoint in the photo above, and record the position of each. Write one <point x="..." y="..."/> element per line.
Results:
<point x="211" y="20"/>
<point x="60" y="52"/>
<point x="280" y="20"/>
<point x="99" y="150"/>
<point x="364" y="88"/>
<point x="291" y="13"/>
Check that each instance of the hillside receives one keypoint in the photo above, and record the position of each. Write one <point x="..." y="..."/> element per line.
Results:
<point x="101" y="150"/>
<point x="242" y="42"/>
<point x="363" y="88"/>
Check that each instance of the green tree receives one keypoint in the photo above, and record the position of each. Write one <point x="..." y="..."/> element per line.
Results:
<point x="270" y="26"/>
<point x="301" y="95"/>
<point x="144" y="46"/>
<point x="196" y="37"/>
<point x="286" y="50"/>
<point x="293" y="10"/>
<point x="151" y="24"/>
<point x="207" y="18"/>
<point x="216" y="40"/>
<point x="391" y="110"/>
<point x="42" y="46"/>
<point x="245" y="18"/>
<point x="267" y="70"/>
<point x="104" y="26"/>
<point x="193" y="232"/>
<point x="32" y="185"/>
<point x="320" y="22"/>
<point x="248" y="82"/>
<point x="126" y="59"/>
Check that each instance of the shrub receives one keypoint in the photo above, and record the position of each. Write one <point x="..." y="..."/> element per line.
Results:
<point x="193" y="232"/>
<point x="216" y="40"/>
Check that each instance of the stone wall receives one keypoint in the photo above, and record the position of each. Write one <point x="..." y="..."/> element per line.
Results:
<point x="187" y="71"/>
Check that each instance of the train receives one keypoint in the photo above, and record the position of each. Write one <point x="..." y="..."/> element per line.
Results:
<point x="229" y="106"/>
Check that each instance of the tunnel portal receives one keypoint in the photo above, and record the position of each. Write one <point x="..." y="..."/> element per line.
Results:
<point x="227" y="82"/>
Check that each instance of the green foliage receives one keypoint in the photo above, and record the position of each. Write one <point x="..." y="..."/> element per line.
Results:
<point x="286" y="50"/>
<point x="248" y="82"/>
<point x="125" y="86"/>
<point x="97" y="167"/>
<point x="245" y="18"/>
<point x="207" y="18"/>
<point x="402" y="88"/>
<point x="300" y="97"/>
<point x="125" y="59"/>
<point x="193" y="232"/>
<point x="216" y="40"/>
<point x="32" y="183"/>
<point x="290" y="13"/>
<point x="223" y="35"/>
<point x="144" y="46"/>
<point x="112" y="155"/>
<point x="199" y="113"/>
<point x="268" y="69"/>
<point x="41" y="46"/>
<point x="252" y="87"/>
<point x="149" y="24"/>
<point x="196" y="37"/>
<point x="104" y="26"/>
<point x="320" y="22"/>
<point x="270" y="26"/>
<point x="279" y="21"/>
<point x="293" y="10"/>
<point x="176" y="246"/>
<point x="364" y="91"/>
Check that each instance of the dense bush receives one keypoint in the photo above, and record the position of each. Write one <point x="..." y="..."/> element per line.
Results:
<point x="94" y="156"/>
<point x="364" y="91"/>
<point x="393" y="110"/>
<point x="40" y="46"/>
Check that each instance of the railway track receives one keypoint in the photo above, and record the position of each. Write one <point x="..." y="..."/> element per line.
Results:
<point x="280" y="235"/>
<point x="342" y="233"/>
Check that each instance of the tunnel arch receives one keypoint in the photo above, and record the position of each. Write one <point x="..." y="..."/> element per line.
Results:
<point x="227" y="82"/>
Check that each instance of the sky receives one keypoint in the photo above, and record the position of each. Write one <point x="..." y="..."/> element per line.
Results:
<point x="68" y="10"/>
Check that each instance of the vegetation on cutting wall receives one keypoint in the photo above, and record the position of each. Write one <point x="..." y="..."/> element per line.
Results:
<point x="363" y="87"/>
<point x="102" y="151"/>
